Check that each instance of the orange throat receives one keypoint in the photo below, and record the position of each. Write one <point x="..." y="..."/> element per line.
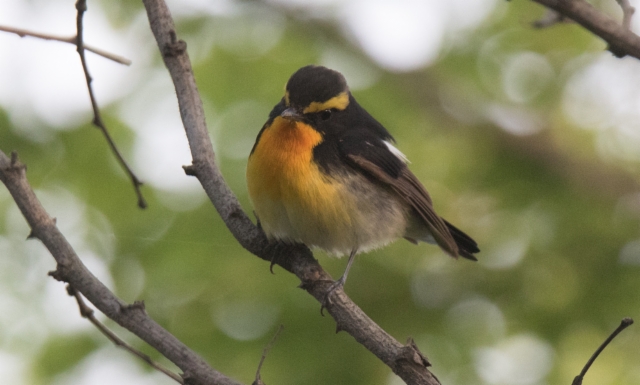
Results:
<point x="282" y="158"/>
<point x="292" y="197"/>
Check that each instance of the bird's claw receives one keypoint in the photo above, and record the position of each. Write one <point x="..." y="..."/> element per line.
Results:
<point x="326" y="302"/>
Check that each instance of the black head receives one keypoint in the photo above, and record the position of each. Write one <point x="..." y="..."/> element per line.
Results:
<point x="314" y="84"/>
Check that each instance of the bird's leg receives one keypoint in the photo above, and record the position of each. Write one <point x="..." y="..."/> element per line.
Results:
<point x="343" y="279"/>
<point x="340" y="282"/>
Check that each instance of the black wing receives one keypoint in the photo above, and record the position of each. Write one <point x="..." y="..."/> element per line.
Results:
<point x="370" y="154"/>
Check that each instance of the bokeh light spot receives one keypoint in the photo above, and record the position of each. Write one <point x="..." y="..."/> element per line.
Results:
<point x="245" y="320"/>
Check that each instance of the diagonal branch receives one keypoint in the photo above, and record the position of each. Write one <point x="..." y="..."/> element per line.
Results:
<point x="70" y="269"/>
<point x="71" y="40"/>
<point x="258" y="380"/>
<point x="405" y="360"/>
<point x="620" y="39"/>
<point x="81" y="6"/>
<point x="626" y="322"/>
<point x="87" y="312"/>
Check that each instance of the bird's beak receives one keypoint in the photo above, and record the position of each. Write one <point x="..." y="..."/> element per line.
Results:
<point x="291" y="114"/>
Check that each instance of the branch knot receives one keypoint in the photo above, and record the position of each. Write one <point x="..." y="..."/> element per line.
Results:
<point x="136" y="305"/>
<point x="410" y="353"/>
<point x="57" y="274"/>
<point x="174" y="47"/>
<point x="190" y="170"/>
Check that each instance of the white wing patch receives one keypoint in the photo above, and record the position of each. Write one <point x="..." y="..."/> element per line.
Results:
<point x="396" y="152"/>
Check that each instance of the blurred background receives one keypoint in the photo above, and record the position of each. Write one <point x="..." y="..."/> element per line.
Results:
<point x="527" y="139"/>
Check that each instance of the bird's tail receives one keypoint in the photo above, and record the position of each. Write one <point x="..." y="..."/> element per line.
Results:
<point x="466" y="245"/>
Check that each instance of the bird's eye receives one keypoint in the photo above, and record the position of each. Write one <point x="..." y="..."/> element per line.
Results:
<point x="325" y="115"/>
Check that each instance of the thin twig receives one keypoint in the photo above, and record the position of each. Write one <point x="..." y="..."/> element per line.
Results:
<point x="71" y="40"/>
<point x="258" y="380"/>
<point x="627" y="13"/>
<point x="623" y="325"/>
<point x="70" y="269"/>
<point x="81" y="6"/>
<point x="621" y="40"/>
<point x="87" y="312"/>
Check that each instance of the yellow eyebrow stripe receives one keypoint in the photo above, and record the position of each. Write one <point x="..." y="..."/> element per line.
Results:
<point x="339" y="102"/>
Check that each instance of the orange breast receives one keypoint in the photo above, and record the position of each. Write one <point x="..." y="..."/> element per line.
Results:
<point x="282" y="158"/>
<point x="291" y="196"/>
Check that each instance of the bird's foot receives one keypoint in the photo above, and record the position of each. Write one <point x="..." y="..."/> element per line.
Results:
<point x="336" y="285"/>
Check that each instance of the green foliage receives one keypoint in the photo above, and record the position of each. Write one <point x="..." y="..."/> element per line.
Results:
<point x="61" y="353"/>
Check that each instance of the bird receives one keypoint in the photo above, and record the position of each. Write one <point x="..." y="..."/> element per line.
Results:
<point x="325" y="173"/>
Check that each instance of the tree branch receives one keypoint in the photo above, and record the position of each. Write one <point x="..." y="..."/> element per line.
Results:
<point x="626" y="322"/>
<point x="405" y="360"/>
<point x="81" y="6"/>
<point x="621" y="40"/>
<point x="71" y="270"/>
<point x="258" y="380"/>
<point x="71" y="40"/>
<point x="87" y="312"/>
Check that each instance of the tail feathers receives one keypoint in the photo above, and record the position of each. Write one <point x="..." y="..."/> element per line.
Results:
<point x="466" y="245"/>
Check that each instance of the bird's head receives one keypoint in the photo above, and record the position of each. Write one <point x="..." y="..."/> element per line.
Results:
<point x="315" y="90"/>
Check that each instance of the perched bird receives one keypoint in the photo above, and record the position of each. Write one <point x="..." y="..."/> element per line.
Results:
<point x="325" y="173"/>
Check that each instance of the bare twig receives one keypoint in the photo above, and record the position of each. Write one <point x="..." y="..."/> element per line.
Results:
<point x="71" y="40"/>
<point x="626" y="322"/>
<point x="81" y="7"/>
<point x="405" y="360"/>
<point x="87" y="312"/>
<point x="621" y="40"/>
<point x="258" y="380"/>
<point x="627" y="13"/>
<point x="71" y="269"/>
